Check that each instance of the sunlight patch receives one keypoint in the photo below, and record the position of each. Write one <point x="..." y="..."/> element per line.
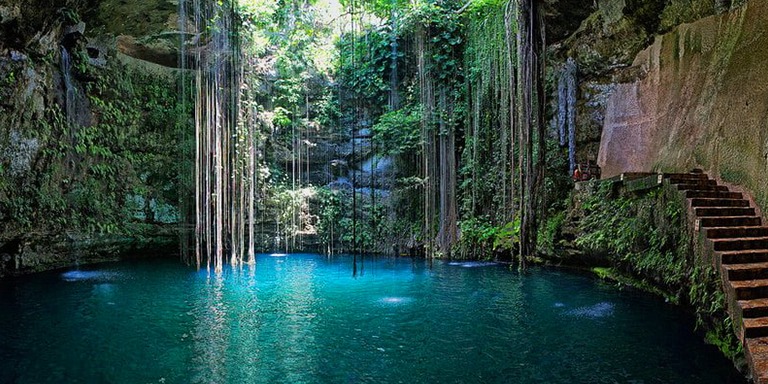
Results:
<point x="472" y="264"/>
<point x="395" y="300"/>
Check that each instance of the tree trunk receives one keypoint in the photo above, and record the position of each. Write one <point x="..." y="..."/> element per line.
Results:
<point x="530" y="44"/>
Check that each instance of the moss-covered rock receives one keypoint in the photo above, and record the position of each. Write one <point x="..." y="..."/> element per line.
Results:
<point x="36" y="252"/>
<point x="564" y="16"/>
<point x="685" y="11"/>
<point x="90" y="139"/>
<point x="139" y="18"/>
<point x="646" y="240"/>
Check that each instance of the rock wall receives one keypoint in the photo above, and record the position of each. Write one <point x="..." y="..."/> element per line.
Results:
<point x="700" y="99"/>
<point x="605" y="45"/>
<point x="89" y="137"/>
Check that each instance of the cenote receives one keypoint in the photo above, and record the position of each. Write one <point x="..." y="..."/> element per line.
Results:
<point x="304" y="318"/>
<point x="153" y="153"/>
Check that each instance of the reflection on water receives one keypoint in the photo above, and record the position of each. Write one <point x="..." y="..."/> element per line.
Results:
<point x="596" y="311"/>
<point x="472" y="264"/>
<point x="307" y="319"/>
<point x="88" y="275"/>
<point x="211" y="332"/>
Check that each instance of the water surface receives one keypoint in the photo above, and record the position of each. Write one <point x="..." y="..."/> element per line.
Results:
<point x="306" y="319"/>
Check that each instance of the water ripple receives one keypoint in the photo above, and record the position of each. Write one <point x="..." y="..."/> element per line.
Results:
<point x="308" y="319"/>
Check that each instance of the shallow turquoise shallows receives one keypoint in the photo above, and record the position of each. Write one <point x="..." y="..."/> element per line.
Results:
<point x="306" y="319"/>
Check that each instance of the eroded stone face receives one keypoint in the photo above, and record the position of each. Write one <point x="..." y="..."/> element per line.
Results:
<point x="20" y="153"/>
<point x="605" y="45"/>
<point x="138" y="18"/>
<point x="146" y="29"/>
<point x="9" y="12"/>
<point x="700" y="101"/>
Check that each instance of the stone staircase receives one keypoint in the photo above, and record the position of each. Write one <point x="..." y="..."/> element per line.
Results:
<point x="737" y="242"/>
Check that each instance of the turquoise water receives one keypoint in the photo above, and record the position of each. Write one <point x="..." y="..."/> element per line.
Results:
<point x="307" y="319"/>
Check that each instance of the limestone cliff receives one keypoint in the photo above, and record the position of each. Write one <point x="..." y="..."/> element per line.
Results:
<point x="605" y="46"/>
<point x="89" y="136"/>
<point x="700" y="99"/>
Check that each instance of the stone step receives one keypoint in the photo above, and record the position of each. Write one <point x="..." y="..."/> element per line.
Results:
<point x="724" y="211"/>
<point x="756" y="327"/>
<point x="629" y="176"/>
<point x="692" y="181"/>
<point x="746" y="271"/>
<point x="740" y="244"/>
<point x="726" y="232"/>
<point x="730" y="221"/>
<point x="713" y="195"/>
<point x="697" y="187"/>
<point x="750" y="289"/>
<point x="705" y="202"/>
<point x="744" y="257"/>
<point x="757" y="353"/>
<point x="686" y="176"/>
<point x="753" y="308"/>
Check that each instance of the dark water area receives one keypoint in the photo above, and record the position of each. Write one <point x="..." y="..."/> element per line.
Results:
<point x="302" y="318"/>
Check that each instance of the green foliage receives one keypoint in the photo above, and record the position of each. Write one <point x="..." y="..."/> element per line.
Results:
<point x="647" y="240"/>
<point x="477" y="8"/>
<point x="294" y="215"/>
<point x="364" y="67"/>
<point x="639" y="235"/>
<point x="645" y="13"/>
<point x="81" y="64"/>
<point x="508" y="236"/>
<point x="558" y="183"/>
<point x="84" y="175"/>
<point x="685" y="11"/>
<point x="550" y="232"/>
<point x="329" y="214"/>
<point x="487" y="170"/>
<point x="382" y="8"/>
<point x="720" y="334"/>
<point x="287" y="54"/>
<point x="337" y="227"/>
<point x="9" y="79"/>
<point x="256" y="14"/>
<point x="69" y="16"/>
<point x="398" y="131"/>
<point x="481" y="240"/>
<point x="445" y="31"/>
<point x="603" y="273"/>
<point x="281" y="117"/>
<point x="329" y="112"/>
